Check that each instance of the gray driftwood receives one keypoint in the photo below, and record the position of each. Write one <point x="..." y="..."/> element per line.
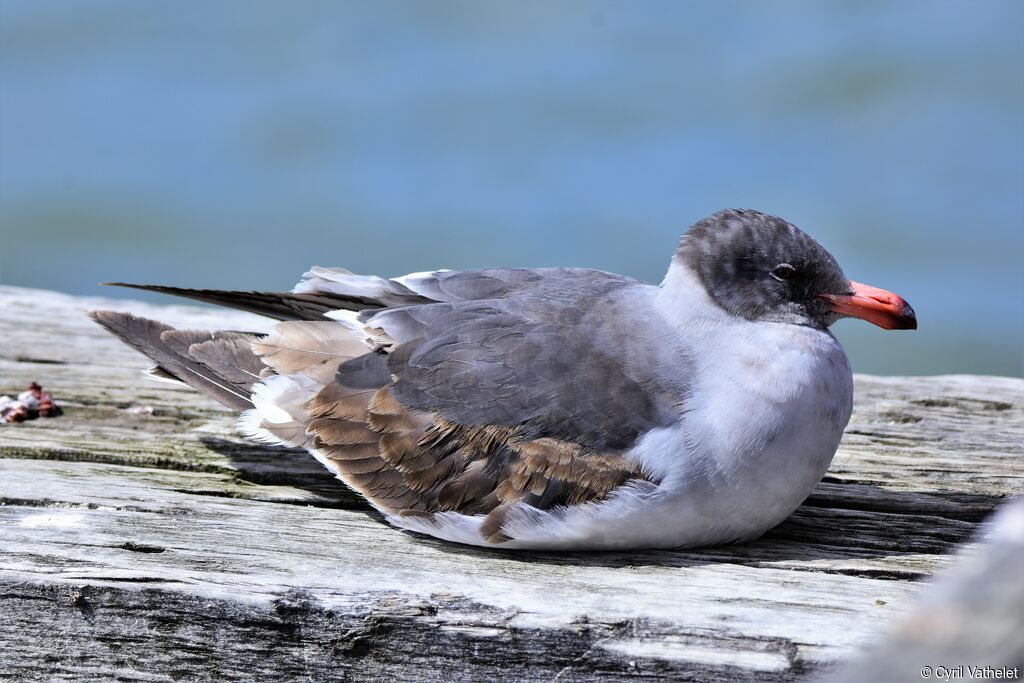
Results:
<point x="968" y="626"/>
<point x="142" y="539"/>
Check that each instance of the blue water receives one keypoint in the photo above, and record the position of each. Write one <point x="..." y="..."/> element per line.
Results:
<point x="233" y="144"/>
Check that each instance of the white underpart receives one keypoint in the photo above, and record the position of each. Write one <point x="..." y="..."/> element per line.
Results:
<point x="768" y="408"/>
<point x="278" y="397"/>
<point x="277" y="403"/>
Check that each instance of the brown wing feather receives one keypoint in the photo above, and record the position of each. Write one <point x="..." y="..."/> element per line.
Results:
<point x="410" y="462"/>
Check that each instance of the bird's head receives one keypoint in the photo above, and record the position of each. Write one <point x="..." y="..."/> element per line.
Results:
<point x="760" y="267"/>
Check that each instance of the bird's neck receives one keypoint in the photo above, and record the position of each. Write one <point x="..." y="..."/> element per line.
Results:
<point x="685" y="304"/>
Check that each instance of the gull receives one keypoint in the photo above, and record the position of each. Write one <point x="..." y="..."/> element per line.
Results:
<point x="554" y="408"/>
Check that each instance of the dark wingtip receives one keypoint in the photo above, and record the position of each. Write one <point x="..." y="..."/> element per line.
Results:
<point x="129" y="285"/>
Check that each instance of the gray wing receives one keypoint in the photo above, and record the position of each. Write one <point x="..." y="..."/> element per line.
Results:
<point x="525" y="388"/>
<point x="546" y="351"/>
<point x="506" y="388"/>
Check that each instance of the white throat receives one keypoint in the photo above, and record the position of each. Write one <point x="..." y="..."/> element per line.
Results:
<point x="685" y="304"/>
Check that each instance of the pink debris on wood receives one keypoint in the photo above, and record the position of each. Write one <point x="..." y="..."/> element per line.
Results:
<point x="30" y="404"/>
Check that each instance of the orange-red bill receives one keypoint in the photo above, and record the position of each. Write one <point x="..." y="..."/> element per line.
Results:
<point x="877" y="306"/>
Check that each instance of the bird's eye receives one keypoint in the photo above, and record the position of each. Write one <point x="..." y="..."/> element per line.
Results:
<point x="783" y="272"/>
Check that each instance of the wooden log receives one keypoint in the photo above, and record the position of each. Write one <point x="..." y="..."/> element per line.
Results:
<point x="968" y="626"/>
<point x="143" y="539"/>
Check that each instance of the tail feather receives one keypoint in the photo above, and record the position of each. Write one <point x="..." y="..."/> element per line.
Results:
<point x="171" y="350"/>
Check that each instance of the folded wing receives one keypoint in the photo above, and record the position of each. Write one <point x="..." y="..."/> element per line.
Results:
<point x="473" y="392"/>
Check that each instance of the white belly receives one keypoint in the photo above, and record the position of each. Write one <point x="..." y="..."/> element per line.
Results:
<point x="761" y="433"/>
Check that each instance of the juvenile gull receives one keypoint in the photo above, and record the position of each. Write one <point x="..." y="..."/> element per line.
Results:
<point x="555" y="408"/>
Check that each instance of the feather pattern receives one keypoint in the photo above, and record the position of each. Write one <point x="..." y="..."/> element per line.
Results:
<point x="300" y="346"/>
<point x="148" y="337"/>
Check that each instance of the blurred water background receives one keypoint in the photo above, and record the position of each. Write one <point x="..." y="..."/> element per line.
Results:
<point x="233" y="144"/>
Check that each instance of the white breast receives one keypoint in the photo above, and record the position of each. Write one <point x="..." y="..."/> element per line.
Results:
<point x="768" y="409"/>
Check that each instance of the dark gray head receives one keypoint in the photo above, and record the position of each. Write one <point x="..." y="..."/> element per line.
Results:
<point x="760" y="267"/>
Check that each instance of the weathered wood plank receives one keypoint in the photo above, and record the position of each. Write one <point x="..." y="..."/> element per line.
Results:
<point x="163" y="546"/>
<point x="968" y="626"/>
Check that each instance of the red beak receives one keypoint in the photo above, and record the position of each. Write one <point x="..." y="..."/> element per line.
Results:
<point x="877" y="306"/>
